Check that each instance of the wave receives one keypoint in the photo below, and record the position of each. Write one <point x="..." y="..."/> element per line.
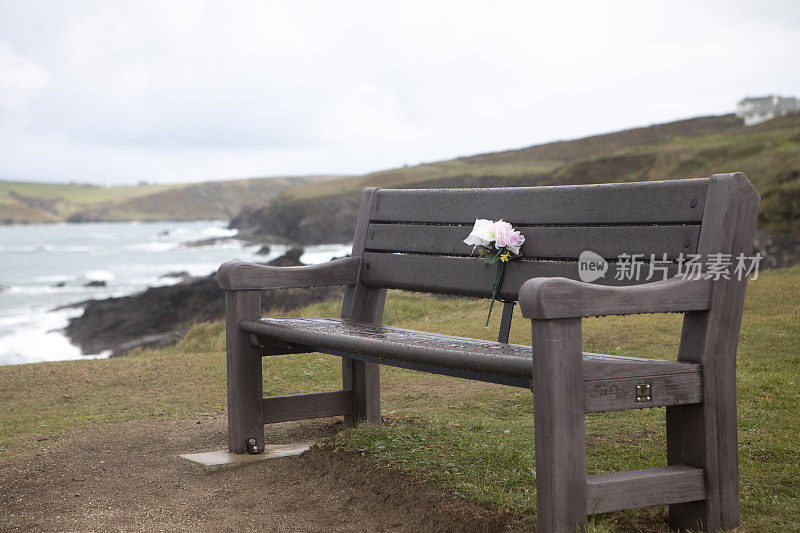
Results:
<point x="99" y="275"/>
<point x="188" y="230"/>
<point x="22" y="249"/>
<point x="324" y="252"/>
<point x="104" y="236"/>
<point x="154" y="281"/>
<point x="69" y="249"/>
<point x="35" y="336"/>
<point x="35" y="347"/>
<point x="28" y="248"/>
<point x="194" y="269"/>
<point x="38" y="289"/>
<point x="39" y="317"/>
<point x="58" y="278"/>
<point x="152" y="246"/>
<point x="214" y="231"/>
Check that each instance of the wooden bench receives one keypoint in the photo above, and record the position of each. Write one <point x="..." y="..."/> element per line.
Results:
<point x="411" y="240"/>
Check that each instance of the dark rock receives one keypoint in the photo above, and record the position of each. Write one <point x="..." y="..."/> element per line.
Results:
<point x="95" y="283"/>
<point x="154" y="316"/>
<point x="182" y="274"/>
<point x="264" y="250"/>
<point x="315" y="221"/>
<point x="207" y="242"/>
<point x="163" y="233"/>
<point x="290" y="258"/>
<point x="59" y="284"/>
<point x="74" y="305"/>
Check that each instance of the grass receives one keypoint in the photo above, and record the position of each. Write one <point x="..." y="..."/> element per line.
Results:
<point x="49" y="202"/>
<point x="473" y="439"/>
<point x="25" y="202"/>
<point x="462" y="169"/>
<point x="79" y="193"/>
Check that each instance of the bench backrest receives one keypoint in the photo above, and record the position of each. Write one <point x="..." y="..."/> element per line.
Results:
<point x="413" y="237"/>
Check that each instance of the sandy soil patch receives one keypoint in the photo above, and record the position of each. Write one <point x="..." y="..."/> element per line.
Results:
<point x="129" y="477"/>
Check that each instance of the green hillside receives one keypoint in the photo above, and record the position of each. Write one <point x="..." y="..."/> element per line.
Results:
<point x="52" y="202"/>
<point x="24" y="202"/>
<point x="769" y="154"/>
<point x="535" y="163"/>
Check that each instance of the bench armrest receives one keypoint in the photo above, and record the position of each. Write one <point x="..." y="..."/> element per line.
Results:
<point x="241" y="275"/>
<point x="546" y="298"/>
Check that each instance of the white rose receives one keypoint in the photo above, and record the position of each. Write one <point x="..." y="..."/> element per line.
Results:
<point x="482" y="233"/>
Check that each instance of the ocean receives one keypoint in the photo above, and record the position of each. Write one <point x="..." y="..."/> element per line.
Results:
<point x="46" y="267"/>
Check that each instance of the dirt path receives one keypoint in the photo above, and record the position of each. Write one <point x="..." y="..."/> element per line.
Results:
<point x="128" y="477"/>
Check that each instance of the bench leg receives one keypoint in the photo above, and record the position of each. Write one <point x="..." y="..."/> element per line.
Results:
<point x="685" y="445"/>
<point x="693" y="439"/>
<point x="363" y="304"/>
<point x="245" y="411"/>
<point x="704" y="435"/>
<point x="560" y="429"/>
<point x="364" y="380"/>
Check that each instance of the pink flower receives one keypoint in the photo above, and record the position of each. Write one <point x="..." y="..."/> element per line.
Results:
<point x="505" y="236"/>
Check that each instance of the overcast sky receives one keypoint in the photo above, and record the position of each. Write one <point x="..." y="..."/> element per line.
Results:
<point x="118" y="92"/>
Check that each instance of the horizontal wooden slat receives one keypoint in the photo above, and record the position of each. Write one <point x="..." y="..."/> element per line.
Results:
<point x="312" y="405"/>
<point x="641" y="488"/>
<point x="544" y="242"/>
<point x="241" y="275"/>
<point x="599" y="367"/>
<point x="620" y="394"/>
<point x="323" y="334"/>
<point x="650" y="202"/>
<point x="609" y="381"/>
<point x="268" y="347"/>
<point x="486" y="377"/>
<point x="467" y="276"/>
<point x="548" y="298"/>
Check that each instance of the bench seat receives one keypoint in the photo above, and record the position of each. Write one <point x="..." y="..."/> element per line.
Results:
<point x="609" y="381"/>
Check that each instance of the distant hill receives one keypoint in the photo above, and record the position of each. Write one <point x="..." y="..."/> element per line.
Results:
<point x="314" y="210"/>
<point x="26" y="202"/>
<point x="769" y="154"/>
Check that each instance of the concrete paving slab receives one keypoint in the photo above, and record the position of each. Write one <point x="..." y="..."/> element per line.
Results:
<point x="220" y="459"/>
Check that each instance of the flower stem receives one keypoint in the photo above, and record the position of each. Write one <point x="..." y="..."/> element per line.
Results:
<point x="498" y="276"/>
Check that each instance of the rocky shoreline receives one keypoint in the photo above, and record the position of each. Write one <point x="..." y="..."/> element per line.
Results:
<point x="160" y="316"/>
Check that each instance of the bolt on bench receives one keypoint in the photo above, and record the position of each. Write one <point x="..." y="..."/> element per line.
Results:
<point x="412" y="240"/>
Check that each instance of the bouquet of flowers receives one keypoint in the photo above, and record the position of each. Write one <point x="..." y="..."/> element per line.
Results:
<point x="497" y="242"/>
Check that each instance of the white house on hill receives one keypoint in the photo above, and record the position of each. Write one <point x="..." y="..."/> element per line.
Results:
<point x="762" y="108"/>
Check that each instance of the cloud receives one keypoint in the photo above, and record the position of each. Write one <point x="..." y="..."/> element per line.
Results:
<point x="187" y="90"/>
<point x="20" y="78"/>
